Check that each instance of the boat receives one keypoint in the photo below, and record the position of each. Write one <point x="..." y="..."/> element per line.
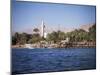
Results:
<point x="29" y="46"/>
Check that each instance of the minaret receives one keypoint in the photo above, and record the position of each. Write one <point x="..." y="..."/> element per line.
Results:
<point x="42" y="29"/>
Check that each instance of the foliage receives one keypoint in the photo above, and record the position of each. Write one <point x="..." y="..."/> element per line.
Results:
<point x="92" y="32"/>
<point x="77" y="35"/>
<point x="82" y="35"/>
<point x="56" y="36"/>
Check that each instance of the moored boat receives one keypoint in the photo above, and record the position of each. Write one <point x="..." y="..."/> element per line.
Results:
<point x="29" y="46"/>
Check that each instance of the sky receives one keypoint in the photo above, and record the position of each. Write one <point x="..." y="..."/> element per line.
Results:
<point x="28" y="15"/>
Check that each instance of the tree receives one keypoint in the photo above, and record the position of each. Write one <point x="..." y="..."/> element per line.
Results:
<point x="78" y="35"/>
<point x="61" y="35"/>
<point x="56" y="36"/>
<point x="23" y="38"/>
<point x="36" y="30"/>
<point x="52" y="36"/>
<point x="36" y="36"/>
<point x="17" y="37"/>
<point x="13" y="40"/>
<point x="92" y="32"/>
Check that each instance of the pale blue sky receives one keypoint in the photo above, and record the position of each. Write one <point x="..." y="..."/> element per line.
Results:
<point x="26" y="15"/>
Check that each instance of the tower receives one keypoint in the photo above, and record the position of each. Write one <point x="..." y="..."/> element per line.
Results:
<point x="42" y="29"/>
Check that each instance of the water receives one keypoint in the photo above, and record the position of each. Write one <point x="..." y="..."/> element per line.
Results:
<point x="51" y="60"/>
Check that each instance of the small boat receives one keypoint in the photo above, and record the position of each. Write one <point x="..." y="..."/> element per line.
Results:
<point x="29" y="46"/>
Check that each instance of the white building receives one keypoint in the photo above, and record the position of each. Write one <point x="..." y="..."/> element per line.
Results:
<point x="45" y="35"/>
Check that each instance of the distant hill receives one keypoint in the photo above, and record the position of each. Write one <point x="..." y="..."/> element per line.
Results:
<point x="86" y="27"/>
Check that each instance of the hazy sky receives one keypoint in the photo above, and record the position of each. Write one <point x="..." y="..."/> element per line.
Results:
<point x="27" y="15"/>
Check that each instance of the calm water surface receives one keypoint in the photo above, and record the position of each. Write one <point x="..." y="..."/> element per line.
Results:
<point x="50" y="60"/>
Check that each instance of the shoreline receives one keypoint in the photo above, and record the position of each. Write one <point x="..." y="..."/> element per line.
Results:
<point x="67" y="45"/>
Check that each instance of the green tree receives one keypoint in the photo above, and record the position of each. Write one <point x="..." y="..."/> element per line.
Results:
<point x="23" y="38"/>
<point x="92" y="33"/>
<point x="61" y="35"/>
<point x="78" y="35"/>
<point x="13" y="40"/>
<point x="52" y="36"/>
<point x="56" y="36"/>
<point x="36" y="36"/>
<point x="17" y="37"/>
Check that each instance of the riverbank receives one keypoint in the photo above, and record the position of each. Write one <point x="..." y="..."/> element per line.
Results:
<point x="60" y="45"/>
